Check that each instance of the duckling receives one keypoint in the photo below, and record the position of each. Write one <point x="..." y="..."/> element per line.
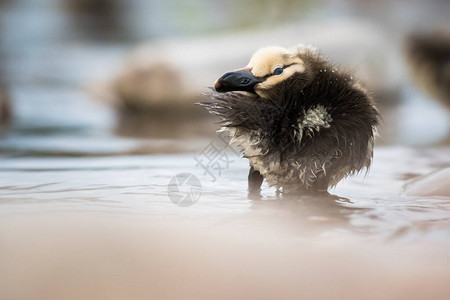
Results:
<point x="303" y="124"/>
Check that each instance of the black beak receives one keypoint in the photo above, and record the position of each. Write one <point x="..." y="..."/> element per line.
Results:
<point x="241" y="80"/>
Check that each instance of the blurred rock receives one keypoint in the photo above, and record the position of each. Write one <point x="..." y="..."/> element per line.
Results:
<point x="171" y="73"/>
<point x="431" y="185"/>
<point x="164" y="123"/>
<point x="97" y="19"/>
<point x="429" y="57"/>
<point x="5" y="106"/>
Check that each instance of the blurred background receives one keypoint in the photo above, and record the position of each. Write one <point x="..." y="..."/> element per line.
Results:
<point x="58" y="58"/>
<point x="97" y="115"/>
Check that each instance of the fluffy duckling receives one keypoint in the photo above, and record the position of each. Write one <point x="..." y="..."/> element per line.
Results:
<point x="303" y="124"/>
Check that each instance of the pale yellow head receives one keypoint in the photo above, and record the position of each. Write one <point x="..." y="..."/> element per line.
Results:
<point x="268" y="67"/>
<point x="275" y="64"/>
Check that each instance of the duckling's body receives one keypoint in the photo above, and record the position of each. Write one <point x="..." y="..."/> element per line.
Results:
<point x="303" y="124"/>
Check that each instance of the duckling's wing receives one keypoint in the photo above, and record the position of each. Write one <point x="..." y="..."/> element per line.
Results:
<point x="243" y="110"/>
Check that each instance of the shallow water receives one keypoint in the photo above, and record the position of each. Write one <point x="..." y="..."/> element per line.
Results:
<point x="371" y="206"/>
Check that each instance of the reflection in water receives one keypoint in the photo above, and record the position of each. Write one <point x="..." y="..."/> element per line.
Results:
<point x="312" y="214"/>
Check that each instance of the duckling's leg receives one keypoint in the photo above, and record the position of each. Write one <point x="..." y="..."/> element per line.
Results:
<point x="322" y="183"/>
<point x="255" y="180"/>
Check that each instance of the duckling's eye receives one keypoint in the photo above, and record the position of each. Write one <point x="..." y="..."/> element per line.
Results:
<point x="278" y="71"/>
